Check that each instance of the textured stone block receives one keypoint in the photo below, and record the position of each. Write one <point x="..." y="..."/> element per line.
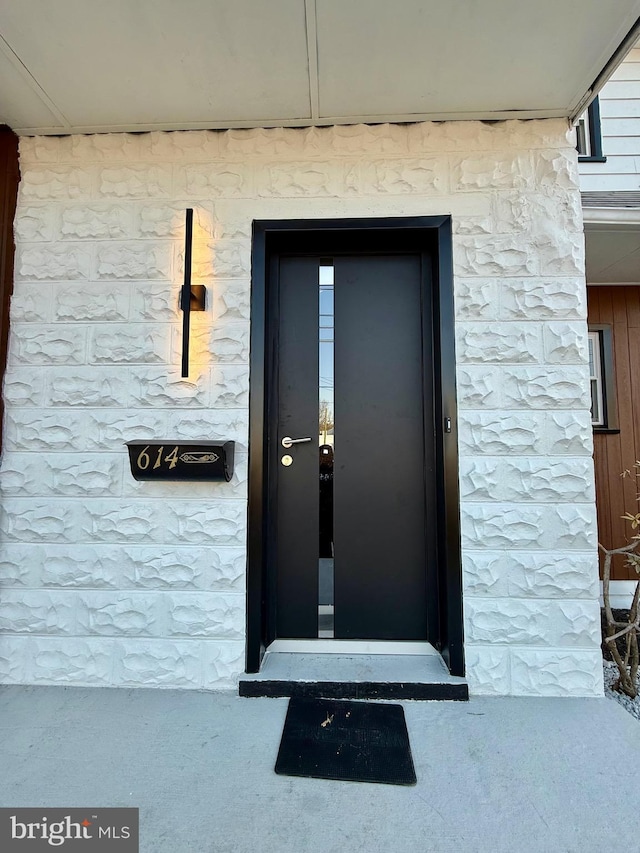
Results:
<point x="140" y="344"/>
<point x="135" y="182"/>
<point x="48" y="344"/>
<point x="152" y="301"/>
<point x="556" y="673"/>
<point x="163" y="387"/>
<point x="532" y="622"/>
<point x="101" y="430"/>
<point x="542" y="480"/>
<point x="399" y="177"/>
<point x="215" y="615"/>
<point x="535" y="213"/>
<point x="571" y="527"/>
<point x="93" y="302"/>
<point x="15" y="665"/>
<point x="476" y="299"/>
<point x="53" y="263"/>
<point x="230" y="343"/>
<point x="508" y="255"/>
<point x="96" y="222"/>
<point x="133" y="261"/>
<point x="565" y="343"/>
<point x="71" y="661"/>
<point x="35" y="224"/>
<point x="35" y="612"/>
<point x="212" y="425"/>
<point x="220" y="523"/>
<point x="39" y="520"/>
<point x="560" y="253"/>
<point x="32" y="303"/>
<point x="222" y="662"/>
<point x="471" y="225"/>
<point x="501" y="526"/>
<point x="498" y="343"/>
<point x="231" y="259"/>
<point x="488" y="670"/>
<point x="570" y="433"/>
<point x="18" y="566"/>
<point x="546" y="388"/>
<point x="168" y="220"/>
<point x="479" y="479"/>
<point x="190" y="144"/>
<point x="55" y="183"/>
<point x="158" y="663"/>
<point x="230" y="386"/>
<point x="285" y="180"/>
<point x="119" y="615"/>
<point x="124" y="567"/>
<point x="110" y="146"/>
<point x="88" y="386"/>
<point x="30" y="474"/>
<point x="500" y="434"/>
<point x="231" y="301"/>
<point x="552" y="575"/>
<point x="556" y="169"/>
<point x="39" y="149"/>
<point x="479" y="387"/>
<point x="189" y="568"/>
<point x="212" y="182"/>
<point x="484" y="573"/>
<point x="536" y="299"/>
<point x="38" y="429"/>
<point x="129" y="521"/>
<point x="23" y="386"/>
<point x="491" y="171"/>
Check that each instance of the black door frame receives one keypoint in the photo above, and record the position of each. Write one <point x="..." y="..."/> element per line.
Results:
<point x="425" y="233"/>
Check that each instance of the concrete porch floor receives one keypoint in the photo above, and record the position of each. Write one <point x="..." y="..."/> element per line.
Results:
<point x="512" y="775"/>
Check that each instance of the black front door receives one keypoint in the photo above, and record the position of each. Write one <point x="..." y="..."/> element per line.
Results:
<point x="353" y="544"/>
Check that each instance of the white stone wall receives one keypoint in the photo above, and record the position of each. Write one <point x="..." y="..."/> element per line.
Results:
<point x="107" y="581"/>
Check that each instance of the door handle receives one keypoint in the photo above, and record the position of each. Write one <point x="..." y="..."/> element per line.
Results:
<point x="287" y="442"/>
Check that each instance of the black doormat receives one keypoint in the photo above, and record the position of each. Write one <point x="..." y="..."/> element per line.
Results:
<point x="355" y="741"/>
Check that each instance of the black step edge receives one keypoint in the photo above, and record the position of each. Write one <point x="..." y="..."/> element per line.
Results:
<point x="353" y="690"/>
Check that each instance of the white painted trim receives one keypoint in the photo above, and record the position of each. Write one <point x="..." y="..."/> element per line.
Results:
<point x="621" y="593"/>
<point x="302" y="121"/>
<point x="352" y="647"/>
<point x="312" y="57"/>
<point x="611" y="216"/>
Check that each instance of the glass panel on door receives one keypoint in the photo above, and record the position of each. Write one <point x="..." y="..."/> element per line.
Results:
<point x="326" y="443"/>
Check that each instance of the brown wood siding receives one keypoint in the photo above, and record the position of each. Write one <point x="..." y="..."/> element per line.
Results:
<point x="617" y="452"/>
<point x="9" y="177"/>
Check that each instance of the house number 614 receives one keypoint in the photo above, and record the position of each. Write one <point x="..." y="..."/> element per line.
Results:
<point x="144" y="460"/>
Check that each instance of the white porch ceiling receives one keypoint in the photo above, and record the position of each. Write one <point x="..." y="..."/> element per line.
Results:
<point x="81" y="66"/>
<point x="613" y="251"/>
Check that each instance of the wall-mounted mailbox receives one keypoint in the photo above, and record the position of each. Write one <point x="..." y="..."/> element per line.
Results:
<point x="181" y="460"/>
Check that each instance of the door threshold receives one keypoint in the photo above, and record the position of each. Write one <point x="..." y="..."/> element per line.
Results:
<point x="353" y="676"/>
<point x="353" y="647"/>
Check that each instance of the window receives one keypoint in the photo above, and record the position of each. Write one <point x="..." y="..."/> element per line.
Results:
<point x="589" y="136"/>
<point x="603" y="409"/>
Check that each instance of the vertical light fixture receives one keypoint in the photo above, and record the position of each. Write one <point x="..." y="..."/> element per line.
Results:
<point x="191" y="298"/>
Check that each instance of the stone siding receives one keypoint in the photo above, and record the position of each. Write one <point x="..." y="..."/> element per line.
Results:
<point x="107" y="581"/>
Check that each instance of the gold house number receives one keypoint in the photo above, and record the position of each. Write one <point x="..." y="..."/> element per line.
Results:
<point x="144" y="460"/>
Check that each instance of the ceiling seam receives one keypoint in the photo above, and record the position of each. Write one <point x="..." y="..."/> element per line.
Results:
<point x="31" y="81"/>
<point x="312" y="57"/>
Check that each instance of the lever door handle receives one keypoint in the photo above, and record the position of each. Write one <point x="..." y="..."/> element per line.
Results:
<point x="287" y="442"/>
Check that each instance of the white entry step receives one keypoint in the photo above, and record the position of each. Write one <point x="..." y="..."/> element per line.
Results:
<point x="354" y="676"/>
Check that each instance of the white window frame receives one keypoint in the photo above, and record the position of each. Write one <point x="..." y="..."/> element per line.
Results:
<point x="596" y="377"/>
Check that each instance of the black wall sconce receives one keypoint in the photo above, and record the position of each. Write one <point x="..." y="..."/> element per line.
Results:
<point x="192" y="298"/>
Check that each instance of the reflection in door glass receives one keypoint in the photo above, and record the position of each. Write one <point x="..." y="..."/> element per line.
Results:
<point x="326" y="441"/>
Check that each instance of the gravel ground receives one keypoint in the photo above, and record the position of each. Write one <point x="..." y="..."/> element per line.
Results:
<point x="610" y="675"/>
